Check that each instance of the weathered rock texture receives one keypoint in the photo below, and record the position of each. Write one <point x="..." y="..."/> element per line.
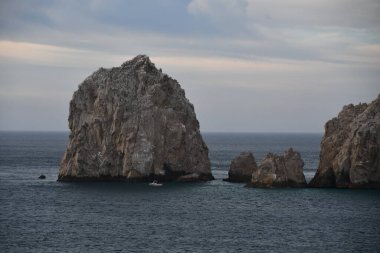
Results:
<point x="280" y="171"/>
<point x="350" y="149"/>
<point x="241" y="168"/>
<point x="133" y="123"/>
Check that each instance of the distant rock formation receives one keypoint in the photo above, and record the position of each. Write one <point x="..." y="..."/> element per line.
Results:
<point x="350" y="149"/>
<point x="241" y="168"/>
<point x="133" y="123"/>
<point x="280" y="171"/>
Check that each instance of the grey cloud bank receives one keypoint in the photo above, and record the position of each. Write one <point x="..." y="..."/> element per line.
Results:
<point x="251" y="66"/>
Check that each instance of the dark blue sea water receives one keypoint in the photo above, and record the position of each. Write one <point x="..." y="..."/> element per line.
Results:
<point x="49" y="216"/>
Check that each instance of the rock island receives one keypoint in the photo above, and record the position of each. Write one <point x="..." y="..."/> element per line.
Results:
<point x="133" y="123"/>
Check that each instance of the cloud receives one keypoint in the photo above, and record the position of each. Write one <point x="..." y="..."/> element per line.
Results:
<point x="237" y="29"/>
<point x="50" y="55"/>
<point x="246" y="65"/>
<point x="227" y="15"/>
<point x="36" y="53"/>
<point x="330" y="31"/>
<point x="93" y="16"/>
<point x="338" y="13"/>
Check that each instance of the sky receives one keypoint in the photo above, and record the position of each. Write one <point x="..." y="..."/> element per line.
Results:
<point x="246" y="65"/>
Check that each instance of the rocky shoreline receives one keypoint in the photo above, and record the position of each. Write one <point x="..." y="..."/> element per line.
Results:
<point x="150" y="178"/>
<point x="350" y="149"/>
<point x="349" y="156"/>
<point x="280" y="171"/>
<point x="241" y="168"/>
<point x="133" y="123"/>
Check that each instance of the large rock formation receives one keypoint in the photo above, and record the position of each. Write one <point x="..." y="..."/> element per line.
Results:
<point x="241" y="168"/>
<point x="350" y="149"/>
<point x="133" y="123"/>
<point x="280" y="171"/>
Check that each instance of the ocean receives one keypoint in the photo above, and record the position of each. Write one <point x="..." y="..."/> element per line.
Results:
<point x="216" y="216"/>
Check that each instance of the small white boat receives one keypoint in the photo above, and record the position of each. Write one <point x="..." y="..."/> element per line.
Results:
<point x="155" y="183"/>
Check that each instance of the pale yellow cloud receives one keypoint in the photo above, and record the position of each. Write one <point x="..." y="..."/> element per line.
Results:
<point x="235" y="65"/>
<point x="63" y="56"/>
<point x="32" y="51"/>
<point x="42" y="54"/>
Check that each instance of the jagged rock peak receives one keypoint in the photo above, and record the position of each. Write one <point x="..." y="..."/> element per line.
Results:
<point x="139" y="61"/>
<point x="350" y="149"/>
<point x="280" y="171"/>
<point x="133" y="123"/>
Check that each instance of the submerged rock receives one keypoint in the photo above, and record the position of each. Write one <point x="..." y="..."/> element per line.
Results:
<point x="42" y="176"/>
<point x="241" y="168"/>
<point x="133" y="123"/>
<point x="280" y="171"/>
<point x="350" y="149"/>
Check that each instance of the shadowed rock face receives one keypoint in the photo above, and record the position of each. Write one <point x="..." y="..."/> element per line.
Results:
<point x="280" y="171"/>
<point x="350" y="149"/>
<point x="241" y="168"/>
<point x="133" y="123"/>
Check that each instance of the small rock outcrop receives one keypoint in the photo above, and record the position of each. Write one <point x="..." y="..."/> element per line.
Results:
<point x="133" y="123"/>
<point x="280" y="171"/>
<point x="350" y="149"/>
<point x="241" y="168"/>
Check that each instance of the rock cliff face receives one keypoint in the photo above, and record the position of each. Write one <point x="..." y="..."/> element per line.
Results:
<point x="133" y="123"/>
<point x="280" y="171"/>
<point x="350" y="149"/>
<point x="241" y="168"/>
